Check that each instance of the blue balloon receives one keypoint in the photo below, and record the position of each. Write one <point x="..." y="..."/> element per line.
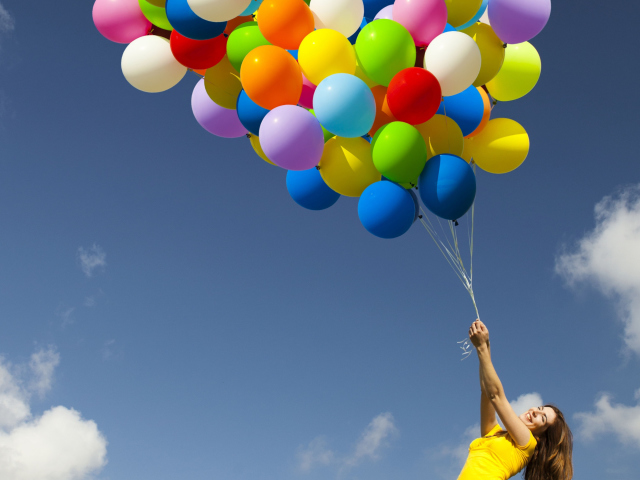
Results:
<point x="344" y="105"/>
<point x="449" y="28"/>
<point x="386" y="209"/>
<point x="466" y="109"/>
<point x="447" y="186"/>
<point x="250" y="113"/>
<point x="307" y="188"/>
<point x="476" y="17"/>
<point x="253" y="6"/>
<point x="294" y="53"/>
<point x="190" y="25"/>
<point x="372" y="7"/>
<point x="352" y="39"/>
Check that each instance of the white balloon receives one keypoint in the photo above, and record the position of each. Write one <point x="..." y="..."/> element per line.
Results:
<point x="149" y="65"/>
<point x="344" y="16"/>
<point x="454" y="58"/>
<point x="218" y="10"/>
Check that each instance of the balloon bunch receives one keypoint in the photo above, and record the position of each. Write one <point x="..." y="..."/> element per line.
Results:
<point x="353" y="97"/>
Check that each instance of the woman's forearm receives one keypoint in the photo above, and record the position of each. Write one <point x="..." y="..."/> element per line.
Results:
<point x="489" y="381"/>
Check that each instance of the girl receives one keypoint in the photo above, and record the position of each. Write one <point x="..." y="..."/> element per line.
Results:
<point x="539" y="439"/>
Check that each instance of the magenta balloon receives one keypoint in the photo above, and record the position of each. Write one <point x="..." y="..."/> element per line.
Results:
<point x="425" y="19"/>
<point x="385" y="13"/>
<point x="214" y="118"/>
<point x="292" y="138"/>
<point x="308" y="89"/>
<point x="120" y="21"/>
<point x="516" y="21"/>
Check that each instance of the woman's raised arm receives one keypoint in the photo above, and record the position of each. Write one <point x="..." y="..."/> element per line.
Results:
<point x="492" y="386"/>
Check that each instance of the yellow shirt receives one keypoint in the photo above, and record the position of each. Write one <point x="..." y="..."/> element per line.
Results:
<point x="496" y="456"/>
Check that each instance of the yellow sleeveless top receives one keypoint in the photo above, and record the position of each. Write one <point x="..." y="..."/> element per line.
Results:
<point x="496" y="456"/>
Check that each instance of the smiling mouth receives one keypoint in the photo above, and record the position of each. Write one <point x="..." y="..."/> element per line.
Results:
<point x="529" y="417"/>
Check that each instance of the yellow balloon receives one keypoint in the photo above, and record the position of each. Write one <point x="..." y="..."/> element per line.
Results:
<point x="519" y="73"/>
<point x="492" y="51"/>
<point x="467" y="151"/>
<point x="346" y="166"/>
<point x="460" y="12"/>
<point x="222" y="83"/>
<point x="255" y="143"/>
<point x="442" y="135"/>
<point x="325" y="52"/>
<point x="501" y="147"/>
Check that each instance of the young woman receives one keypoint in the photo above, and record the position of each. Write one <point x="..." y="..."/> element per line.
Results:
<point x="538" y="440"/>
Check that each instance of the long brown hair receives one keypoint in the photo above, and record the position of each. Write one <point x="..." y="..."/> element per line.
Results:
<point x="551" y="459"/>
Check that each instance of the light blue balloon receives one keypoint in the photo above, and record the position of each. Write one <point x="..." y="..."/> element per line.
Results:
<point x="251" y="9"/>
<point x="344" y="105"/>
<point x="476" y="17"/>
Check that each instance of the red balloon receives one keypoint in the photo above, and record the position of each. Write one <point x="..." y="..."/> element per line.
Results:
<point x="414" y="95"/>
<point x="198" y="54"/>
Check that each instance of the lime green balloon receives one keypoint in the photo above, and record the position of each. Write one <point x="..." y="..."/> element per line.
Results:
<point x="155" y="14"/>
<point x="158" y="3"/>
<point x="383" y="48"/>
<point x="519" y="73"/>
<point x="327" y="134"/>
<point x="242" y="40"/>
<point x="399" y="152"/>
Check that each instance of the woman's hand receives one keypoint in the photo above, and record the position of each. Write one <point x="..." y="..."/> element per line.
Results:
<point x="479" y="334"/>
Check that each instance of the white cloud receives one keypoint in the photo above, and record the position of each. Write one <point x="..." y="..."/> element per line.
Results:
<point x="59" y="444"/>
<point x="621" y="420"/>
<point x="7" y="23"/>
<point x="609" y="258"/>
<point x="374" y="438"/>
<point x="91" y="259"/>
<point x="316" y="453"/>
<point x="66" y="314"/>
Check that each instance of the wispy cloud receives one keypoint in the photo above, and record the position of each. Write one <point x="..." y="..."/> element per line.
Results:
<point x="7" y="23"/>
<point x="91" y="259"/>
<point x="608" y="417"/>
<point x="59" y="444"/>
<point x="369" y="447"/>
<point x="66" y="314"/>
<point x="609" y="258"/>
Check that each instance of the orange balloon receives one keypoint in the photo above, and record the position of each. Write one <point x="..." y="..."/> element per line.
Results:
<point x="271" y="77"/>
<point x="383" y="114"/>
<point x="486" y="114"/>
<point x="200" y="72"/>
<point x="235" y="22"/>
<point x="285" y="23"/>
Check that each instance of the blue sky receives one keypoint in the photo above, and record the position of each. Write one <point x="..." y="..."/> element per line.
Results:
<point x="169" y="312"/>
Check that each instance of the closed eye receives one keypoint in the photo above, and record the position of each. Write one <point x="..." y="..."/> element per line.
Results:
<point x="544" y="415"/>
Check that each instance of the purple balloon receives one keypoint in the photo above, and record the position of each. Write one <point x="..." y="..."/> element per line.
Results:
<point x="385" y="13"/>
<point x="214" y="118"/>
<point x="516" y="21"/>
<point x="292" y="138"/>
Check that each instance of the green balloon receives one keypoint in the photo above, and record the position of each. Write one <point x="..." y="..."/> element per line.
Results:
<point x="158" y="3"/>
<point x="385" y="47"/>
<point x="242" y="40"/>
<point x="155" y="14"/>
<point x="327" y="134"/>
<point x="399" y="152"/>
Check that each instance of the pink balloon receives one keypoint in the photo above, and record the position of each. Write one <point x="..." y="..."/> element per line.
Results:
<point x="214" y="118"/>
<point x="425" y="19"/>
<point x="308" y="89"/>
<point x="120" y="21"/>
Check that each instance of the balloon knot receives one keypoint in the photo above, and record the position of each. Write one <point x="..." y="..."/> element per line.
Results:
<point x="455" y="222"/>
<point x="504" y="45"/>
<point x="248" y="135"/>
<point x="317" y="167"/>
<point x="419" y="216"/>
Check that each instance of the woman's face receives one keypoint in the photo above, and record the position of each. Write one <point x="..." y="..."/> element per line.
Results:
<point x="538" y="419"/>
